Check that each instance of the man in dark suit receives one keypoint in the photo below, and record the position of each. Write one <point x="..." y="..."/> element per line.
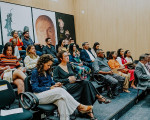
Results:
<point x="86" y="55"/>
<point x="142" y="73"/>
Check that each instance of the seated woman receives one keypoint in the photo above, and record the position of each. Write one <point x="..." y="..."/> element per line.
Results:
<point x="76" y="63"/>
<point x="129" y="59"/>
<point x="118" y="69"/>
<point x="48" y="91"/>
<point x="9" y="61"/>
<point x="16" y="51"/>
<point x="19" y="41"/>
<point x="95" y="47"/>
<point x="82" y="90"/>
<point x="61" y="45"/>
<point x="122" y="61"/>
<point x="31" y="58"/>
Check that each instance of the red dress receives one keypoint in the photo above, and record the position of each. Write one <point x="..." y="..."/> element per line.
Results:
<point x="131" y="71"/>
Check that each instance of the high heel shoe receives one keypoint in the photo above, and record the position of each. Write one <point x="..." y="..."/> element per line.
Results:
<point x="103" y="99"/>
<point x="84" y="108"/>
<point x="127" y="91"/>
<point x="91" y="116"/>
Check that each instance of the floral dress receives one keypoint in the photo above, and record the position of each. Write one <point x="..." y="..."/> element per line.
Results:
<point x="80" y="69"/>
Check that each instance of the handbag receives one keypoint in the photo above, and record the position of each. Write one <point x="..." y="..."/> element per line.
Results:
<point x="7" y="75"/>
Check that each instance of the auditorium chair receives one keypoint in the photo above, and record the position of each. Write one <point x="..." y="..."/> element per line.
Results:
<point x="7" y="98"/>
<point x="1" y="48"/>
<point x="47" y="109"/>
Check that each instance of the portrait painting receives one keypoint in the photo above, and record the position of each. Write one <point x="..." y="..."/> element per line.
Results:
<point x="65" y="26"/>
<point x="44" y="26"/>
<point x="15" y="17"/>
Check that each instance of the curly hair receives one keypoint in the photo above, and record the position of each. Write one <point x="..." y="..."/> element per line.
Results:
<point x="42" y="60"/>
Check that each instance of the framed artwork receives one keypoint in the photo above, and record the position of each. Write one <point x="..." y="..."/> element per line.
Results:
<point x="44" y="26"/>
<point x="65" y="26"/>
<point x="15" y="17"/>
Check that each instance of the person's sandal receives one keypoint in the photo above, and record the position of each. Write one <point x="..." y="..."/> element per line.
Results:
<point x="100" y="100"/>
<point x="127" y="91"/>
<point x="91" y="118"/>
<point x="84" y="108"/>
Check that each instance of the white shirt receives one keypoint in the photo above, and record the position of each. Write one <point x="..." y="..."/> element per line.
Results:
<point x="91" y="56"/>
<point x="128" y="59"/>
<point x="16" y="52"/>
<point x="94" y="53"/>
<point x="119" y="60"/>
<point x="147" y="72"/>
<point x="30" y="63"/>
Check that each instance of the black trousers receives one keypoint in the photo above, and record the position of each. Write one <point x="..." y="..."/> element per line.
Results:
<point x="83" y="91"/>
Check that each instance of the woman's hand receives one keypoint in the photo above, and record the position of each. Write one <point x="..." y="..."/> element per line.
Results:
<point x="80" y="64"/>
<point x="58" y="84"/>
<point x="72" y="79"/>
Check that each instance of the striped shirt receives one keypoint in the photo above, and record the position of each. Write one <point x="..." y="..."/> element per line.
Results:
<point x="10" y="61"/>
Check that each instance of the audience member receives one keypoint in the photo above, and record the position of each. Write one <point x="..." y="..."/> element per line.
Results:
<point x="50" y="49"/>
<point x="95" y="47"/>
<point x="118" y="69"/>
<point x="70" y="42"/>
<point x="9" y="63"/>
<point x="129" y="59"/>
<point x="16" y="51"/>
<point x="77" y="64"/>
<point x="82" y="90"/>
<point x="122" y="61"/>
<point x="31" y="58"/>
<point x="48" y="91"/>
<point x="148" y="63"/>
<point x="61" y="45"/>
<point x="86" y="55"/>
<point x="100" y="66"/>
<point x="19" y="41"/>
<point x="142" y="73"/>
<point x="26" y="40"/>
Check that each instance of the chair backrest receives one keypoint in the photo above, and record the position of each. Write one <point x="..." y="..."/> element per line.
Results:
<point x="27" y="84"/>
<point x="1" y="48"/>
<point x="38" y="48"/>
<point x="7" y="94"/>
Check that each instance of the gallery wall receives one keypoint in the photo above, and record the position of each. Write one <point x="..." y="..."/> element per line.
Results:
<point x="41" y="23"/>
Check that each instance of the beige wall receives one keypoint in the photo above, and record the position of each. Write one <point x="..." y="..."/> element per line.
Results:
<point x="115" y="24"/>
<point x="63" y="6"/>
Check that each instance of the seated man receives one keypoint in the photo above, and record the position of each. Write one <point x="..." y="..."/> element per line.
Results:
<point x="86" y="55"/>
<point x="100" y="66"/>
<point x="50" y="49"/>
<point x="142" y="73"/>
<point x="28" y="41"/>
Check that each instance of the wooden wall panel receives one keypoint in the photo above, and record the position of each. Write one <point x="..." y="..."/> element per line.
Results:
<point x="115" y="24"/>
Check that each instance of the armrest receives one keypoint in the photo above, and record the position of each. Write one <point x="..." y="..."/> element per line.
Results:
<point x="28" y="100"/>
